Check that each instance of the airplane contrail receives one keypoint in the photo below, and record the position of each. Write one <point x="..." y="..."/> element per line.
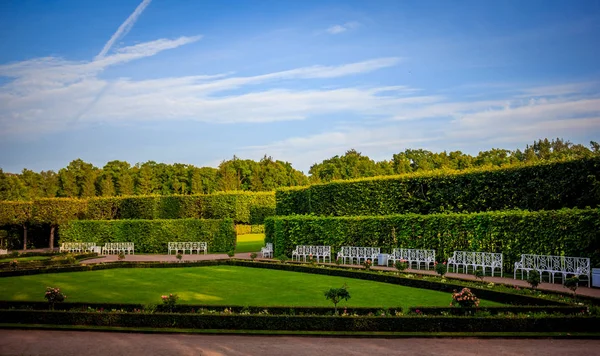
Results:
<point x="124" y="28"/>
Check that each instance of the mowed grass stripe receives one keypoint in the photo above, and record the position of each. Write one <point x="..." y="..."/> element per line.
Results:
<point x="217" y="285"/>
<point x="250" y="243"/>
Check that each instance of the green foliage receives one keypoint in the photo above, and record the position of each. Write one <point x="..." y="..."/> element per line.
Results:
<point x="253" y="255"/>
<point x="401" y="265"/>
<point x="534" y="279"/>
<point x="551" y="186"/>
<point x="441" y="268"/>
<point x="58" y="211"/>
<point x="15" y="213"/>
<point x="54" y="295"/>
<point x="465" y="299"/>
<point x="152" y="236"/>
<point x="479" y="274"/>
<point x="336" y="295"/>
<point x="568" y="232"/>
<point x="169" y="302"/>
<point x="572" y="283"/>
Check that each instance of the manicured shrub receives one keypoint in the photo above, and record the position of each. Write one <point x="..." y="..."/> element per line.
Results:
<point x="533" y="278"/>
<point x="548" y="186"/>
<point x="152" y="236"/>
<point x="569" y="232"/>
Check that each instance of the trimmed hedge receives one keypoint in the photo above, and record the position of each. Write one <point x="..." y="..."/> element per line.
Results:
<point x="15" y="213"/>
<point x="294" y="310"/>
<point x="307" y="323"/>
<point x="551" y="186"/>
<point x="569" y="232"/>
<point x="249" y="229"/>
<point x="152" y="236"/>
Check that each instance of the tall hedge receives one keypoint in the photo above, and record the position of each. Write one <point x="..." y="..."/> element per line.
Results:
<point x="242" y="207"/>
<point x="538" y="187"/>
<point x="152" y="236"/>
<point x="15" y="213"/>
<point x="569" y="232"/>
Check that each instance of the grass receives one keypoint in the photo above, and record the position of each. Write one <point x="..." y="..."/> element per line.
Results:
<point x="250" y="243"/>
<point x="24" y="259"/>
<point x="217" y="285"/>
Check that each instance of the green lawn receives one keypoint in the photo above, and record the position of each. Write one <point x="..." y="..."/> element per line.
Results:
<point x="217" y="285"/>
<point x="250" y="243"/>
<point x="23" y="259"/>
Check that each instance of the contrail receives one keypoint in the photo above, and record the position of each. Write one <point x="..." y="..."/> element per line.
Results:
<point x="124" y="28"/>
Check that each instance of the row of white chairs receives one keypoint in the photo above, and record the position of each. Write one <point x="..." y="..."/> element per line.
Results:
<point x="191" y="247"/>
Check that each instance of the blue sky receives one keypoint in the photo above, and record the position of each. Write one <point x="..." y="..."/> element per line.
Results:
<point x="196" y="81"/>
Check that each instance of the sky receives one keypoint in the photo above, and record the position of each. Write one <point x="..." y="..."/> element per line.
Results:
<point x="197" y="82"/>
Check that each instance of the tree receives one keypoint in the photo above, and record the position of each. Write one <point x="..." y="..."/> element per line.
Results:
<point x="336" y="295"/>
<point x="16" y="213"/>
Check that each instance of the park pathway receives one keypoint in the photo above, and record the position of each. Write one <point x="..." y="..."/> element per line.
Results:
<point x="75" y="343"/>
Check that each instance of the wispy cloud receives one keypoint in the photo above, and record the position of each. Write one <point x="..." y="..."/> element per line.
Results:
<point x="124" y="28"/>
<point x="337" y="29"/>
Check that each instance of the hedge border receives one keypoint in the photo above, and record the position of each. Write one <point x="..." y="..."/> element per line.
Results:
<point x="306" y="323"/>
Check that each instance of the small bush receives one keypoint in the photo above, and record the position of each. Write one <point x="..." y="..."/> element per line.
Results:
<point x="54" y="295"/>
<point x="441" y="268"/>
<point x="253" y="255"/>
<point x="121" y="256"/>
<point x="231" y="253"/>
<point x="572" y="283"/>
<point x="367" y="264"/>
<point x="465" y="299"/>
<point x="169" y="301"/>
<point x="401" y="265"/>
<point x="14" y="264"/>
<point x="178" y="256"/>
<point x="336" y="295"/>
<point x="282" y="258"/>
<point x="479" y="274"/>
<point x="533" y="278"/>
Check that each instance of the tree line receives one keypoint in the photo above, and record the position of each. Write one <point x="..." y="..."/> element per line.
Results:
<point x="119" y="178"/>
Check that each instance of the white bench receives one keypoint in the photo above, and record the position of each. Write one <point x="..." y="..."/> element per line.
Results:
<point x="115" y="248"/>
<point x="317" y="252"/>
<point x="475" y="260"/>
<point x="192" y="246"/>
<point x="578" y="266"/>
<point x="78" y="247"/>
<point x="358" y="253"/>
<point x="3" y="252"/>
<point x="410" y="255"/>
<point x="267" y="251"/>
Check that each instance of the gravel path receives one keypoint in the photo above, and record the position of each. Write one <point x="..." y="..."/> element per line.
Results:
<point x="67" y="343"/>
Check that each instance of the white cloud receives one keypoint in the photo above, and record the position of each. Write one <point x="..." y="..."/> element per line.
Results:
<point x="337" y="29"/>
<point x="124" y="28"/>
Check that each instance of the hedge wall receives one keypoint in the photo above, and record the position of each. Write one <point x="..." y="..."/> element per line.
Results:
<point x="242" y="207"/>
<point x="538" y="187"/>
<point x="308" y="323"/>
<point x="569" y="232"/>
<point x="152" y="236"/>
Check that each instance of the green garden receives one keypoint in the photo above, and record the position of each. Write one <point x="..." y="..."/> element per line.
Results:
<point x="548" y="210"/>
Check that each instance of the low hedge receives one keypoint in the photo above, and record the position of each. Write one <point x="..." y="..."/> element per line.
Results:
<point x="152" y="236"/>
<point x="294" y="310"/>
<point x="56" y="260"/>
<point x="305" y="323"/>
<point x="567" y="232"/>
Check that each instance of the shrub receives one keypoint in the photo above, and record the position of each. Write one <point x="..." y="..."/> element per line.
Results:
<point x="572" y="283"/>
<point x="282" y="258"/>
<point x="441" y="268"/>
<point x="479" y="274"/>
<point x="179" y="256"/>
<point x="121" y="256"/>
<point x="253" y="255"/>
<point x="367" y="264"/>
<point x="231" y="253"/>
<point x="152" y="236"/>
<point x="54" y="295"/>
<point x="14" y="264"/>
<point x="338" y="261"/>
<point x="569" y="232"/>
<point x="336" y="295"/>
<point x="401" y="265"/>
<point x="465" y="299"/>
<point x="547" y="186"/>
<point x="169" y="301"/>
<point x="533" y="278"/>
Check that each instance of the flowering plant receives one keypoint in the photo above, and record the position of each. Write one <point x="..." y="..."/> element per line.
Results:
<point x="14" y="264"/>
<point x="121" y="256"/>
<point x="401" y="265"/>
<point x="441" y="268"/>
<point x="169" y="301"/>
<point x="367" y="264"/>
<point x="54" y="295"/>
<point x="465" y="298"/>
<point x="179" y="256"/>
<point x="311" y="258"/>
